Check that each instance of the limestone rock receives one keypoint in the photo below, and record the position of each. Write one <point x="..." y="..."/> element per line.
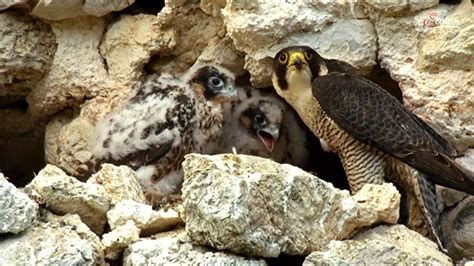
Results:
<point x="381" y="245"/>
<point x="67" y="142"/>
<point x="118" y="239"/>
<point x="17" y="211"/>
<point x="6" y="4"/>
<point x="61" y="241"/>
<point x="450" y="43"/>
<point x="260" y="36"/>
<point x="407" y="240"/>
<point x="457" y="225"/>
<point x="27" y="47"/>
<point x="77" y="66"/>
<point x="466" y="162"/>
<point x="443" y="99"/>
<point x="64" y="194"/>
<point x="172" y="248"/>
<point x="255" y="206"/>
<point x="120" y="183"/>
<point x="130" y="42"/>
<point x="145" y="218"/>
<point x="397" y="8"/>
<point x="195" y="30"/>
<point x="58" y="10"/>
<point x="74" y="222"/>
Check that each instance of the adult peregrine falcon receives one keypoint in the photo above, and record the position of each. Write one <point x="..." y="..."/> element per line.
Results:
<point x="167" y="118"/>
<point x="375" y="136"/>
<point x="262" y="124"/>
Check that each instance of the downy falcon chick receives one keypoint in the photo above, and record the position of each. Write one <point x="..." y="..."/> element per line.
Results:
<point x="262" y="124"/>
<point x="375" y="136"/>
<point x="167" y="118"/>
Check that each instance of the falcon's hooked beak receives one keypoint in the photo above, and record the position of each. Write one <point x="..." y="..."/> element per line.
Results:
<point x="227" y="94"/>
<point x="269" y="135"/>
<point x="297" y="60"/>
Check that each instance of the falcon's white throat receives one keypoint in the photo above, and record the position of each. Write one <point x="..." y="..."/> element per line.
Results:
<point x="299" y="84"/>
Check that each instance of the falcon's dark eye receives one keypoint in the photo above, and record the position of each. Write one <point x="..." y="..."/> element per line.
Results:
<point x="258" y="119"/>
<point x="283" y="58"/>
<point x="216" y="83"/>
<point x="308" y="55"/>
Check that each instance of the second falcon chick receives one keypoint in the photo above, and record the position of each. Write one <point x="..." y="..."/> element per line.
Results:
<point x="167" y="118"/>
<point x="262" y="124"/>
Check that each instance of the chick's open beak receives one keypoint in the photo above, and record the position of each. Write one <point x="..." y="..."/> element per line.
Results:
<point x="269" y="136"/>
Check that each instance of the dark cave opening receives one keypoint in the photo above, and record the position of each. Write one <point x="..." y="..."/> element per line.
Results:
<point x="144" y="7"/>
<point x="21" y="141"/>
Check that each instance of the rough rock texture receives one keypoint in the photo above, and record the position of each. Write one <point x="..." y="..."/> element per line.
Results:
<point x="255" y="206"/>
<point x="57" y="9"/>
<point x="61" y="241"/>
<point x="77" y="66"/>
<point x="382" y="245"/>
<point x="130" y="42"/>
<point x="118" y="239"/>
<point x="6" y="4"/>
<point x="120" y="183"/>
<point x="457" y="224"/>
<point x="407" y="240"/>
<point x="450" y="44"/>
<point x="64" y="194"/>
<point x="17" y="211"/>
<point x="67" y="142"/>
<point x="173" y="248"/>
<point x="145" y="218"/>
<point x="260" y="36"/>
<point x="397" y="8"/>
<point x="443" y="98"/>
<point x="27" y="47"/>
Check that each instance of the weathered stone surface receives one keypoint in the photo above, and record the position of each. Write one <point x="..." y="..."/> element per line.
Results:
<point x="130" y="42"/>
<point x="381" y="245"/>
<point x="443" y="99"/>
<point x="57" y="10"/>
<point x="27" y="47"/>
<point x="17" y="211"/>
<point x="194" y="28"/>
<point x="174" y="248"/>
<point x="397" y="8"/>
<point x="67" y="142"/>
<point x="6" y="4"/>
<point x="466" y="162"/>
<point x="145" y="218"/>
<point x="255" y="206"/>
<point x="120" y="183"/>
<point x="260" y="36"/>
<point x="64" y="194"/>
<point x="61" y="241"/>
<point x="407" y="240"/>
<point x="450" y="42"/>
<point x="457" y="225"/>
<point x="77" y="66"/>
<point x="118" y="239"/>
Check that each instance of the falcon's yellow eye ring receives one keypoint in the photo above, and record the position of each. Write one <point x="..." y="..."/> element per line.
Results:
<point x="308" y="55"/>
<point x="283" y="58"/>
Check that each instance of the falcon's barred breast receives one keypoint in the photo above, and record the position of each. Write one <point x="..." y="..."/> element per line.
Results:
<point x="375" y="136"/>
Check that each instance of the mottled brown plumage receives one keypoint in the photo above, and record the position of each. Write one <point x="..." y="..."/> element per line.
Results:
<point x="375" y="136"/>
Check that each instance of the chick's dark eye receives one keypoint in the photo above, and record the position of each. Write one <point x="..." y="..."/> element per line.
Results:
<point x="283" y="58"/>
<point x="259" y="119"/>
<point x="308" y="55"/>
<point x="216" y="82"/>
